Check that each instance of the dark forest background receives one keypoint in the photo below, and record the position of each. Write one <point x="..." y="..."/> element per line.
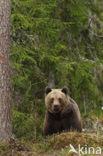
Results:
<point x="56" y="43"/>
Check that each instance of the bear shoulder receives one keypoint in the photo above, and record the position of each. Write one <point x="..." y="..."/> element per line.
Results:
<point x="71" y="106"/>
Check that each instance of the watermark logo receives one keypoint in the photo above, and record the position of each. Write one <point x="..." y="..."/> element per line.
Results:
<point x="85" y="150"/>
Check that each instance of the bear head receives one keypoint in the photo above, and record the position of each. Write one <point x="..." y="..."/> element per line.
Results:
<point x="56" y="99"/>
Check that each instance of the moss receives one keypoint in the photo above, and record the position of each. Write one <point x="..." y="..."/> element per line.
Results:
<point x="5" y="149"/>
<point x="58" y="144"/>
<point x="74" y="138"/>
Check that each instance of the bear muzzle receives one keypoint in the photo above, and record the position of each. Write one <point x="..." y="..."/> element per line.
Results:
<point x="56" y="107"/>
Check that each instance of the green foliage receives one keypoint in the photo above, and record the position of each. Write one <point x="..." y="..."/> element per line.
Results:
<point x="23" y="125"/>
<point x="60" y="36"/>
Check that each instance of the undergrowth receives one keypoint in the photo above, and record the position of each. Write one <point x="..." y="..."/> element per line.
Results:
<point x="58" y="144"/>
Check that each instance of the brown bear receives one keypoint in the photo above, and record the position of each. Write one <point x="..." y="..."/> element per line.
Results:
<point x="62" y="112"/>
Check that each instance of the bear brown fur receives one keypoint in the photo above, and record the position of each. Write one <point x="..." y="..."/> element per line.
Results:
<point x="62" y="112"/>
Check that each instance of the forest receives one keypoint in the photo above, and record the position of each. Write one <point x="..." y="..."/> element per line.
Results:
<point x="55" y="43"/>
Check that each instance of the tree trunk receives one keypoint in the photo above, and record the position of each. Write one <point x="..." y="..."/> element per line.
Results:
<point x="5" y="112"/>
<point x="51" y="80"/>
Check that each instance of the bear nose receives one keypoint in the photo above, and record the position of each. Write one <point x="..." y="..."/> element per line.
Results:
<point x="56" y="106"/>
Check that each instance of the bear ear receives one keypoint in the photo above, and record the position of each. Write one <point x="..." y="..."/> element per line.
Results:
<point x="65" y="90"/>
<point x="48" y="90"/>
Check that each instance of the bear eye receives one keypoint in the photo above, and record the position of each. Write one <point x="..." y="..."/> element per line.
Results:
<point x="51" y="100"/>
<point x="60" y="100"/>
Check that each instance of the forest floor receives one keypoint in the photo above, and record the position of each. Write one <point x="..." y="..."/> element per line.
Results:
<point x="59" y="144"/>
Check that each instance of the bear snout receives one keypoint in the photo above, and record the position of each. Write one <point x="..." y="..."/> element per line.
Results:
<point x="56" y="107"/>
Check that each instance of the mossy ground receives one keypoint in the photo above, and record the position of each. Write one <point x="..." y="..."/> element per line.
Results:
<point x="56" y="145"/>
